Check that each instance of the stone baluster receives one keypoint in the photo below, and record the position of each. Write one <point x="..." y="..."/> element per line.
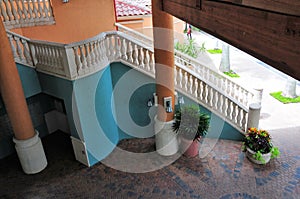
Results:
<point x="205" y="93"/>
<point x="130" y="57"/>
<point x="221" y="104"/>
<point x="88" y="54"/>
<point x="14" y="12"/>
<point x="19" y="49"/>
<point x="185" y="81"/>
<point x="195" y="87"/>
<point x="141" y="58"/>
<point x="8" y="11"/>
<point x="215" y="99"/>
<point x="3" y="11"/>
<point x="209" y="96"/>
<point x="82" y="57"/>
<point x="46" y="10"/>
<point x="19" y="10"/>
<point x="244" y="120"/>
<point x="146" y="60"/>
<point x="25" y="10"/>
<point x="41" y="13"/>
<point x="11" y="41"/>
<point x="30" y="14"/>
<point x="77" y="58"/>
<point x="35" y="10"/>
<point x="180" y="77"/>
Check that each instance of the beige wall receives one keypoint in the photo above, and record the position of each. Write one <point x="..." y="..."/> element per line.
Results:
<point x="75" y="21"/>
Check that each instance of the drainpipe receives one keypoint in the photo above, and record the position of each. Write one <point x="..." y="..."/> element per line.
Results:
<point x="28" y="144"/>
<point x="163" y="37"/>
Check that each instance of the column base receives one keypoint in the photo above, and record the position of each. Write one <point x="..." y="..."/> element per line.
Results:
<point x="165" y="138"/>
<point x="31" y="154"/>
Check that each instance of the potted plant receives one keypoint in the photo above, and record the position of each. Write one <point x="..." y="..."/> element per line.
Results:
<point x="258" y="146"/>
<point x="190" y="124"/>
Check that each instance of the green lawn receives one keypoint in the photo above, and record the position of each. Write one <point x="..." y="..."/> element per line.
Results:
<point x="215" y="51"/>
<point x="231" y="73"/>
<point x="285" y="100"/>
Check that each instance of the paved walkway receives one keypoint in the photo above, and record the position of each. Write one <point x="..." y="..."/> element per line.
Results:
<point x="225" y="173"/>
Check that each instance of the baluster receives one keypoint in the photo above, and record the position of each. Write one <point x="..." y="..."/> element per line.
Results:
<point x="190" y="85"/>
<point x="230" y="110"/>
<point x="24" y="10"/>
<point x="88" y="55"/>
<point x="77" y="59"/>
<point x="3" y="11"/>
<point x="117" y="48"/>
<point x="8" y="11"/>
<point x="220" y="103"/>
<point x="40" y="9"/>
<point x="234" y="113"/>
<point x="35" y="10"/>
<point x="106" y="46"/>
<point x="30" y="11"/>
<point x="179" y="77"/>
<point x="135" y="55"/>
<point x="152" y="62"/>
<point x="239" y="117"/>
<point x="175" y="77"/>
<point x="96" y="52"/>
<point x="49" y="56"/>
<point x="209" y="96"/>
<point x="46" y="11"/>
<point x="201" y="90"/>
<point x="244" y="119"/>
<point x="195" y="88"/>
<point x="130" y="52"/>
<point x="82" y="57"/>
<point x="112" y="46"/>
<point x="93" y="52"/>
<point x="26" y="51"/>
<point x="10" y="38"/>
<point x="141" y="58"/>
<point x="146" y="60"/>
<point x="215" y="100"/>
<point x="123" y="49"/>
<point x="102" y="51"/>
<point x="19" y="49"/>
<point x="14" y="12"/>
<point x="185" y="82"/>
<point x="20" y="11"/>
<point x="205" y="92"/>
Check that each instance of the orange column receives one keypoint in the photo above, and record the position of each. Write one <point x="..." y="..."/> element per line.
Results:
<point x="12" y="91"/>
<point x="164" y="57"/>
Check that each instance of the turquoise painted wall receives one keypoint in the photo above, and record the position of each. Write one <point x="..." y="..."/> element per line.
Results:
<point x="96" y="108"/>
<point x="132" y="90"/>
<point x="29" y="79"/>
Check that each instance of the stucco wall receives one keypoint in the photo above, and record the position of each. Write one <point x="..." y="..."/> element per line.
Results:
<point x="75" y="21"/>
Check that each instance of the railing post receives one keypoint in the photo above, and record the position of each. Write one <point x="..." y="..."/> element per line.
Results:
<point x="257" y="97"/>
<point x="69" y="63"/>
<point x="253" y="115"/>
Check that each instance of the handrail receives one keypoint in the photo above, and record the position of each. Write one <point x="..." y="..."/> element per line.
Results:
<point x="236" y="91"/>
<point x="79" y="59"/>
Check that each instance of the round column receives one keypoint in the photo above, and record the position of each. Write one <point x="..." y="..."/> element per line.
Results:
<point x="13" y="97"/>
<point x="163" y="37"/>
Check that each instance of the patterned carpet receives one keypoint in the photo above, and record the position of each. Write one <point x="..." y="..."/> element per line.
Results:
<point x="225" y="173"/>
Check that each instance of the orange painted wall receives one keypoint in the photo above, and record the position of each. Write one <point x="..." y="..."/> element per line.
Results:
<point x="75" y="21"/>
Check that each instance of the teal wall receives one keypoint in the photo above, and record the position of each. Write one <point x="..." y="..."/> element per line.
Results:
<point x="132" y="90"/>
<point x="29" y="79"/>
<point x="95" y="104"/>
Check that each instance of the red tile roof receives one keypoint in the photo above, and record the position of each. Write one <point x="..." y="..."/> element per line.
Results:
<point x="127" y="9"/>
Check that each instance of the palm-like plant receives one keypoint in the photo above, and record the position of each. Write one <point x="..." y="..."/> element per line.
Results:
<point x="191" y="123"/>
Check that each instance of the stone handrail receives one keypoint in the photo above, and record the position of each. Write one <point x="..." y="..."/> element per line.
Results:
<point x="20" y="13"/>
<point x="76" y="60"/>
<point x="218" y="79"/>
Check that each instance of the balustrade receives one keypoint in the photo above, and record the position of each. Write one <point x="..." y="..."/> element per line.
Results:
<point x="25" y="13"/>
<point x="72" y="61"/>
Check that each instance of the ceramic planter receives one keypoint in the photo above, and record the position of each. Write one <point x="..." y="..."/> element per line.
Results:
<point x="250" y="153"/>
<point x="188" y="147"/>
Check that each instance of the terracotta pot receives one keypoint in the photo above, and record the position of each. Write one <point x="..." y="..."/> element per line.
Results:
<point x="250" y="153"/>
<point x="189" y="148"/>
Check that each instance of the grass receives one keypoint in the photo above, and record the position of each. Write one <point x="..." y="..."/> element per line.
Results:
<point x="285" y="100"/>
<point x="231" y="73"/>
<point x="215" y="51"/>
